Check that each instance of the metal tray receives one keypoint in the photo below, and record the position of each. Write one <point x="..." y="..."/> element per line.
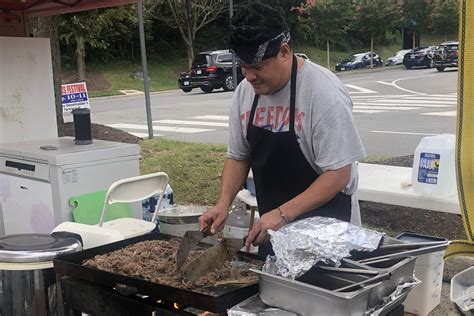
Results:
<point x="306" y="299"/>
<point x="322" y="297"/>
<point x="219" y="299"/>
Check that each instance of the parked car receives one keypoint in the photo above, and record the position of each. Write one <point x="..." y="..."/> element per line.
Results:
<point x="421" y="56"/>
<point x="210" y="70"/>
<point x="360" y="60"/>
<point x="446" y="55"/>
<point x="397" y="58"/>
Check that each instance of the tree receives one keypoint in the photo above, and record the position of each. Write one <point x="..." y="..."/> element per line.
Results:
<point x="445" y="17"/>
<point x="375" y="18"/>
<point x="330" y="21"/>
<point x="82" y="28"/>
<point x="416" y="16"/>
<point x="290" y="10"/>
<point x="189" y="16"/>
<point x="48" y="27"/>
<point x="98" y="29"/>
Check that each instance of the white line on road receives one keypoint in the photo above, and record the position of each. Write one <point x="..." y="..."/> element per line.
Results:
<point x="198" y="123"/>
<point x="446" y="113"/>
<point x="212" y="117"/>
<point x="401" y="133"/>
<point x="359" y="89"/>
<point x="449" y="98"/>
<point x="368" y="107"/>
<point x="380" y="96"/>
<point x="417" y="101"/>
<point x="403" y="104"/>
<point x="394" y="84"/>
<point x="187" y="130"/>
<point x="366" y="111"/>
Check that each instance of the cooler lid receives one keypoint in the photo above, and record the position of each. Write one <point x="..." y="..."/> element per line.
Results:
<point x="23" y="248"/>
<point x="63" y="151"/>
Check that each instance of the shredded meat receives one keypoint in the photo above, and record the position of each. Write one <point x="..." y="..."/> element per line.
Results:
<point x="155" y="261"/>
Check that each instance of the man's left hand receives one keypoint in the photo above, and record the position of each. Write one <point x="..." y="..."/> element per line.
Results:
<point x="270" y="220"/>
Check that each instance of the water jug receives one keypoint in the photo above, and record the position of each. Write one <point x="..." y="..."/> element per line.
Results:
<point x="434" y="168"/>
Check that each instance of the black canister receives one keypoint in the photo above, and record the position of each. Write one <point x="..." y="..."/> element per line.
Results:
<point x="82" y="126"/>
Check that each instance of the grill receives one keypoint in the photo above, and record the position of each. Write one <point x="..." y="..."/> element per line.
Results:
<point x="90" y="290"/>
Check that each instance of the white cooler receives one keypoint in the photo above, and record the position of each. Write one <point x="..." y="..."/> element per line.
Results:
<point x="429" y="269"/>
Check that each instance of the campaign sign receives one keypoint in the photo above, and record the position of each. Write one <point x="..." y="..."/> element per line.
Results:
<point x="74" y="96"/>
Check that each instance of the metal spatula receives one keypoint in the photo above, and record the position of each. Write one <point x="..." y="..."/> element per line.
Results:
<point x="190" y="239"/>
<point x="213" y="258"/>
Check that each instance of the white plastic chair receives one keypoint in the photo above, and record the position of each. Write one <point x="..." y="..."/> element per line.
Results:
<point x="122" y="191"/>
<point x="132" y="190"/>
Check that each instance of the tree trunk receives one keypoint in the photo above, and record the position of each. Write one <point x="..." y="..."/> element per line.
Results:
<point x="327" y="53"/>
<point x="48" y="27"/>
<point x="81" y="56"/>
<point x="414" y="39"/>
<point x="371" y="50"/>
<point x="190" y="54"/>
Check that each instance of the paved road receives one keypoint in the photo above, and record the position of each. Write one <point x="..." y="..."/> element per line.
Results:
<point x="393" y="110"/>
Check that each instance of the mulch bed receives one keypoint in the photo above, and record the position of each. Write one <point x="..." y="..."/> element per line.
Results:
<point x="95" y="81"/>
<point x="391" y="219"/>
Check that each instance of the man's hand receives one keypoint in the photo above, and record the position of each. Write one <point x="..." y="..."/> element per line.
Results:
<point x="213" y="219"/>
<point x="270" y="220"/>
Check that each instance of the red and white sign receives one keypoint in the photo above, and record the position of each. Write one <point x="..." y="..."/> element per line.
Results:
<point x="74" y="96"/>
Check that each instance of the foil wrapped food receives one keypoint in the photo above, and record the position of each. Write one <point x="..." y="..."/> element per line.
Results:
<point x="300" y="245"/>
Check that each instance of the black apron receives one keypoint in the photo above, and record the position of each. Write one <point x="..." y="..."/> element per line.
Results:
<point x="281" y="171"/>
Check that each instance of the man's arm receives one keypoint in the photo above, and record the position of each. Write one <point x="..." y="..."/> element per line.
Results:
<point x="233" y="177"/>
<point x="323" y="189"/>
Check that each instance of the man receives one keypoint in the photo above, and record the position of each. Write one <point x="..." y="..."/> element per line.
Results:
<point x="290" y="122"/>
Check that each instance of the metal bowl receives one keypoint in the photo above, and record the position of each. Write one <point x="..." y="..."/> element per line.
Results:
<point x="181" y="214"/>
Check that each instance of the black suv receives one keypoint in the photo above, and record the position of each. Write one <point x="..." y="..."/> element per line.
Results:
<point x="209" y="71"/>
<point x="446" y="55"/>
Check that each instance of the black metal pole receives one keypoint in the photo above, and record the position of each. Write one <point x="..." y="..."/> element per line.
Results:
<point x="234" y="64"/>
<point x="141" y="31"/>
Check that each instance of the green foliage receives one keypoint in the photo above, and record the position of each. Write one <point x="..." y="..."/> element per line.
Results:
<point x="445" y="17"/>
<point x="109" y="33"/>
<point x="330" y="20"/>
<point x="377" y="19"/>
<point x="416" y="15"/>
<point x="112" y="33"/>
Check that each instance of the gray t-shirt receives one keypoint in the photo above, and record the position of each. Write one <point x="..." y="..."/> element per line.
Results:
<point x="324" y="125"/>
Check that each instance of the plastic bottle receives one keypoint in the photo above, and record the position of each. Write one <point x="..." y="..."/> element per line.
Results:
<point x="434" y="167"/>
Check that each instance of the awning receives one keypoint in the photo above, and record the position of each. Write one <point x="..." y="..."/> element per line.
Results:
<point x="53" y="7"/>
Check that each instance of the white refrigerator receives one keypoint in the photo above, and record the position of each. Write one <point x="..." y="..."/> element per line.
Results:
<point x="38" y="177"/>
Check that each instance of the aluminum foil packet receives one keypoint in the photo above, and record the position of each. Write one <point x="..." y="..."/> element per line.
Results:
<point x="300" y="245"/>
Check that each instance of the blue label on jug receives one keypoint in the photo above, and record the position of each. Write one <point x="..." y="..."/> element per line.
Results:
<point x="429" y="168"/>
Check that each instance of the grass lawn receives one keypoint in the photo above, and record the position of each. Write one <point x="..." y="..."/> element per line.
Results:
<point x="163" y="75"/>
<point x="194" y="169"/>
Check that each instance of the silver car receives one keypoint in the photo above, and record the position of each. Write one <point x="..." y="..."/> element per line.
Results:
<point x="397" y="58"/>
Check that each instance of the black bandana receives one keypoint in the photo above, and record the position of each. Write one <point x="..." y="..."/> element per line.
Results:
<point x="249" y="55"/>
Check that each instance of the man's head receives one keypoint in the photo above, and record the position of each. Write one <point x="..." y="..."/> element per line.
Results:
<point x="260" y="40"/>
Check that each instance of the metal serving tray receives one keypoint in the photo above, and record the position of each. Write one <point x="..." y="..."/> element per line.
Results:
<point x="323" y="298"/>
<point x="220" y="297"/>
<point x="306" y="299"/>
